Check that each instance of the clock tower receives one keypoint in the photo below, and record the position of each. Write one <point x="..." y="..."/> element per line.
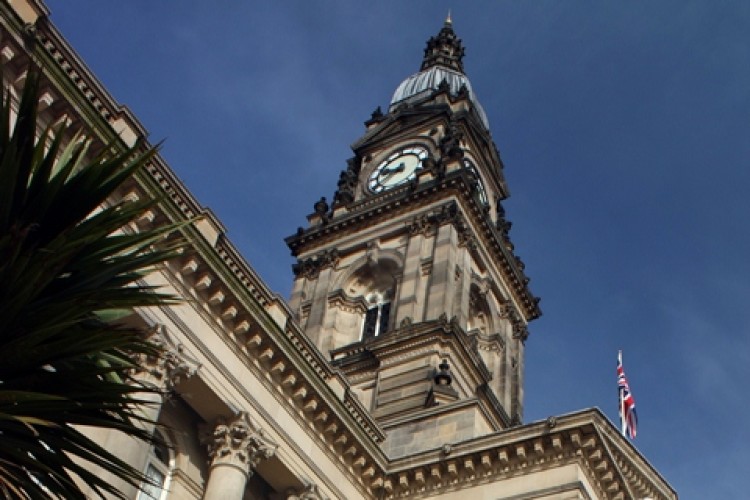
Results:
<point x="408" y="278"/>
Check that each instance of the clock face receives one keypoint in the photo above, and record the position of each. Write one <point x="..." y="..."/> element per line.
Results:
<point x="480" y="185"/>
<point x="399" y="168"/>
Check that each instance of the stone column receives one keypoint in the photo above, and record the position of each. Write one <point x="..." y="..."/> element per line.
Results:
<point x="235" y="448"/>
<point x="162" y="372"/>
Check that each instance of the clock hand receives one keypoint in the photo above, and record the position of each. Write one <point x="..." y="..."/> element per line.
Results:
<point x="387" y="173"/>
<point x="393" y="170"/>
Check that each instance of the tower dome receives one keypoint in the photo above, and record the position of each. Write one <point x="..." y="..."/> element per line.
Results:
<point x="443" y="62"/>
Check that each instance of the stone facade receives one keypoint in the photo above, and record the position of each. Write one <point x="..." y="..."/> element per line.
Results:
<point x="396" y="368"/>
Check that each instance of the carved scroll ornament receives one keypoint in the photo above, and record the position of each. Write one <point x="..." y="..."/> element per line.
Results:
<point x="236" y="442"/>
<point x="169" y="368"/>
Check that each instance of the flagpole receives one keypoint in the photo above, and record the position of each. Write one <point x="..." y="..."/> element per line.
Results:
<point x="623" y="423"/>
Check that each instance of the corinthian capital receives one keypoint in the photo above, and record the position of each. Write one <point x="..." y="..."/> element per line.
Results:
<point x="237" y="442"/>
<point x="171" y="366"/>
<point x="309" y="492"/>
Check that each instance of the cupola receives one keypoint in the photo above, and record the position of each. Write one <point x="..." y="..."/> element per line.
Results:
<point x="442" y="67"/>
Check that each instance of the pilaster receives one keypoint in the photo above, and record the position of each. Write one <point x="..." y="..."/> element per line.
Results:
<point x="163" y="372"/>
<point x="409" y="301"/>
<point x="439" y="295"/>
<point x="463" y="287"/>
<point x="314" y="327"/>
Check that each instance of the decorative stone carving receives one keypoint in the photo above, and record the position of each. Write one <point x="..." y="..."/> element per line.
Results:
<point x="322" y="209"/>
<point x="463" y="92"/>
<point x="237" y="442"/>
<point x="508" y="311"/>
<point x="311" y="267"/>
<point x="448" y="213"/>
<point x="347" y="185"/>
<point x="443" y="375"/>
<point x="421" y="225"/>
<point x="503" y="226"/>
<point x="172" y="366"/>
<point x="443" y="87"/>
<point x="30" y="35"/>
<point x="427" y="223"/>
<point x="520" y="331"/>
<point x="341" y="300"/>
<point x="309" y="492"/>
<point x="490" y="343"/>
<point x="444" y="49"/>
<point x="467" y="240"/>
<point x="450" y="144"/>
<point x="520" y="263"/>
<point x="437" y="168"/>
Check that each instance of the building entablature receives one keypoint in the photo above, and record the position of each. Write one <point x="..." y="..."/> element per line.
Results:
<point x="585" y="439"/>
<point x="75" y="96"/>
<point x="270" y="341"/>
<point x="39" y="39"/>
<point x="281" y="358"/>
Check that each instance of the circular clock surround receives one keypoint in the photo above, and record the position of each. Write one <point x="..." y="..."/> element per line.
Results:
<point x="480" y="185"/>
<point x="398" y="168"/>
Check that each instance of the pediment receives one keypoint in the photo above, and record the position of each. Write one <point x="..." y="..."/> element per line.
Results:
<point x="408" y="119"/>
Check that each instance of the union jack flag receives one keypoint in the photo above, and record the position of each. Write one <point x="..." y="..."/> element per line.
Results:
<point x="628" y="416"/>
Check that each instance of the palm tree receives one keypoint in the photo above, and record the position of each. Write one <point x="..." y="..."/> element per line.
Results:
<point x="67" y="270"/>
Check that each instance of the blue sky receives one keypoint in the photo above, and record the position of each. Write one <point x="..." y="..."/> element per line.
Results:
<point x="625" y="132"/>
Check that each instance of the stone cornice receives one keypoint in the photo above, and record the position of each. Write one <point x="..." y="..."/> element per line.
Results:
<point x="641" y="478"/>
<point x="410" y="197"/>
<point x="390" y="127"/>
<point x="232" y="301"/>
<point x="288" y="353"/>
<point x="80" y="97"/>
<point x="583" y="437"/>
<point x="331" y="414"/>
<point x="408" y="338"/>
<point x="259" y="326"/>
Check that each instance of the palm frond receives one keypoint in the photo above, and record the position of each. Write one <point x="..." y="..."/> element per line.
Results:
<point x="69" y="267"/>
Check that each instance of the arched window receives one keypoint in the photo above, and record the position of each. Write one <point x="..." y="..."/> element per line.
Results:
<point x="158" y="470"/>
<point x="375" y="283"/>
<point x="377" y="316"/>
<point x="480" y="189"/>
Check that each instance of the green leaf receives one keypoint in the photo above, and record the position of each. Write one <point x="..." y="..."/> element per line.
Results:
<point x="70" y="270"/>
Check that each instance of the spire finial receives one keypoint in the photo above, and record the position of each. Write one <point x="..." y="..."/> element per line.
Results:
<point x="445" y="49"/>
